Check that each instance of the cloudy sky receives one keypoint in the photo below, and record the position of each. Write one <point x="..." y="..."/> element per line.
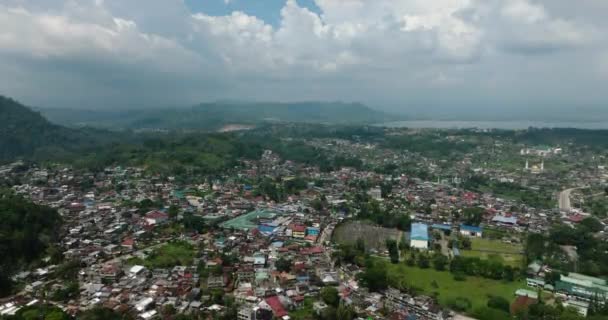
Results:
<point x="395" y="54"/>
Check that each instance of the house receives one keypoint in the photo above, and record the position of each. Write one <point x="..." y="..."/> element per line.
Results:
<point x="535" y="283"/>
<point x="128" y="243"/>
<point x="582" y="286"/>
<point x="312" y="231"/>
<point x="504" y="220"/>
<point x="471" y="231"/>
<point x="420" y="307"/>
<point x="299" y="231"/>
<point x="419" y="236"/>
<point x="156" y="217"/>
<point x="375" y="193"/>
<point x="277" y="307"/>
<point x="521" y="304"/>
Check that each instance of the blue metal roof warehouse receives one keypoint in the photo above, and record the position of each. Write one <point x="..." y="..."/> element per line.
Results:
<point x="420" y="231"/>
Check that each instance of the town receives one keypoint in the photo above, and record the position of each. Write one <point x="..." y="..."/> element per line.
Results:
<point x="486" y="228"/>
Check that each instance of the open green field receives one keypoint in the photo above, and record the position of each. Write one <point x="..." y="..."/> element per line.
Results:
<point x="476" y="289"/>
<point x="168" y="256"/>
<point x="496" y="250"/>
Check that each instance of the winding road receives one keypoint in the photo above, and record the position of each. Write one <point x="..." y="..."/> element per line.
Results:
<point x="564" y="199"/>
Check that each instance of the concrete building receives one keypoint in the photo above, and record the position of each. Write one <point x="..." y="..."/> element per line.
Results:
<point x="419" y="236"/>
<point x="471" y="231"/>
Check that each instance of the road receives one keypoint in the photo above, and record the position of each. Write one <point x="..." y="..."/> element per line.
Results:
<point x="564" y="199"/>
<point x="326" y="234"/>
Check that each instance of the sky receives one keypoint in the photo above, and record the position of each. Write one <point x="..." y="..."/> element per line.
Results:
<point x="486" y="56"/>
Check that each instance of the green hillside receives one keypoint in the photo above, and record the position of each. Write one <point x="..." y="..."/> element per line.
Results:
<point x="25" y="134"/>
<point x="213" y="116"/>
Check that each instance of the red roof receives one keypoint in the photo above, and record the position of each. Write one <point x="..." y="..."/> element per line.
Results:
<point x="522" y="303"/>
<point x="276" y="306"/>
<point x="299" y="228"/>
<point x="312" y="250"/>
<point x="156" y="215"/>
<point x="128" y="242"/>
<point x="576" y="218"/>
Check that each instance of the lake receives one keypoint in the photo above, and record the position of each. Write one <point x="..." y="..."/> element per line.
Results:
<point x="509" y="125"/>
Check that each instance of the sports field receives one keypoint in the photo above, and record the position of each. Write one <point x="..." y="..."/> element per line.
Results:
<point x="374" y="236"/>
<point x="497" y="250"/>
<point x="247" y="221"/>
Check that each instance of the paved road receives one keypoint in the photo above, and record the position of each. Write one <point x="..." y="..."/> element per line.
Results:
<point x="564" y="199"/>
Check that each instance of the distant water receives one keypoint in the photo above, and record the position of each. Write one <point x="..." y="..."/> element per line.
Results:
<point x="509" y="125"/>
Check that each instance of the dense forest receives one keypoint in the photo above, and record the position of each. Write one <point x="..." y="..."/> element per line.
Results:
<point x="27" y="231"/>
<point x="26" y="134"/>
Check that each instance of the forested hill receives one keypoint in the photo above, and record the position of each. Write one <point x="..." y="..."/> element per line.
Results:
<point x="27" y="134"/>
<point x="213" y="116"/>
<point x="26" y="233"/>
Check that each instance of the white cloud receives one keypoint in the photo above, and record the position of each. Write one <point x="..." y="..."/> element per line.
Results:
<point x="376" y="51"/>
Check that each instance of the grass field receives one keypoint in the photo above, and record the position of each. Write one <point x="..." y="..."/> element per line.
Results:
<point x="374" y="236"/>
<point x="168" y="256"/>
<point x="497" y="250"/>
<point x="476" y="289"/>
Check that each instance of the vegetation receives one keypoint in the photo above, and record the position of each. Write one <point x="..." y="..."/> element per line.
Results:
<point x="26" y="134"/>
<point x="27" y="231"/>
<point x="213" y="116"/>
<point x="444" y="286"/>
<point x="495" y="250"/>
<point x="39" y="312"/>
<point x="179" y="253"/>
<point x="592" y="253"/>
<point x="538" y="199"/>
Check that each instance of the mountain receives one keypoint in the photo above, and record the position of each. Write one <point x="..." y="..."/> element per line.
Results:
<point x="214" y="116"/>
<point x="27" y="134"/>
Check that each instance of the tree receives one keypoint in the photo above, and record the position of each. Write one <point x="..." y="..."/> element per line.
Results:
<point x="283" y="265"/>
<point x="168" y="310"/>
<point x="26" y="232"/>
<point x="330" y="296"/>
<point x="592" y="224"/>
<point x="101" y="313"/>
<point x="360" y="245"/>
<point x="393" y="250"/>
<point x="56" y="314"/>
<point x="386" y="189"/>
<point x="374" y="277"/>
<point x="486" y="313"/>
<point x="344" y="312"/>
<point x="460" y="304"/>
<point x="440" y="262"/>
<point x="552" y="277"/>
<point x="423" y="261"/>
<point x="535" y="246"/>
<point x="173" y="212"/>
<point x="500" y="303"/>
<point x="473" y="216"/>
<point x="464" y="243"/>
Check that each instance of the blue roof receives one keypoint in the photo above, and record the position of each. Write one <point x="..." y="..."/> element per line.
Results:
<point x="441" y="226"/>
<point x="470" y="228"/>
<point x="420" y="231"/>
<point x="455" y="251"/>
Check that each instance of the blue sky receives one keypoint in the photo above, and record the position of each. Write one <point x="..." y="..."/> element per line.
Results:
<point x="267" y="10"/>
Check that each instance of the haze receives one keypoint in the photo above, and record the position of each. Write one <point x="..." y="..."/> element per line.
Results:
<point x="443" y="57"/>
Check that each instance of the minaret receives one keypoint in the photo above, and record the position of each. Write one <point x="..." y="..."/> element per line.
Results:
<point x="527" y="165"/>
<point x="542" y="165"/>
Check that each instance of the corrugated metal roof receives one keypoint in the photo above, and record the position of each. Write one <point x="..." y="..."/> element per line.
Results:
<point x="420" y="231"/>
